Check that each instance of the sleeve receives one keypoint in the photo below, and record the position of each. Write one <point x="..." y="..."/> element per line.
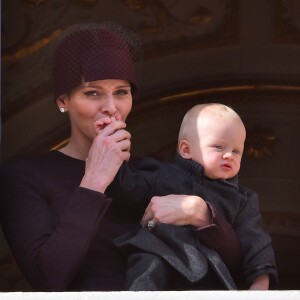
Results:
<point x="48" y="254"/>
<point x="258" y="254"/>
<point x="136" y="185"/>
<point x="220" y="236"/>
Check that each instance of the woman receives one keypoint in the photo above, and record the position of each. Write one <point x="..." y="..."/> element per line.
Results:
<point x="55" y="213"/>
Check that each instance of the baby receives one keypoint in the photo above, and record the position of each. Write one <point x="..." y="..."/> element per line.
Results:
<point x="210" y="147"/>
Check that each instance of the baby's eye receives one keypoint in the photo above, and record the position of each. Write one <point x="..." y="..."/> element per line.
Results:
<point x="219" y="147"/>
<point x="236" y="151"/>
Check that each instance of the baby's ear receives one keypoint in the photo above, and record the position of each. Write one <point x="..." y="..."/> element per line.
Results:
<point x="184" y="149"/>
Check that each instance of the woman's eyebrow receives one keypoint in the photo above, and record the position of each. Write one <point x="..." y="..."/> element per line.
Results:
<point x="104" y="88"/>
<point x="123" y="86"/>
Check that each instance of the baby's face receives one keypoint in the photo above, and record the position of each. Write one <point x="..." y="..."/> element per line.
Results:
<point x="218" y="146"/>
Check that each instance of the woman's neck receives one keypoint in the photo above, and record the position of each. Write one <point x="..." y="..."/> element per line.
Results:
<point x="76" y="150"/>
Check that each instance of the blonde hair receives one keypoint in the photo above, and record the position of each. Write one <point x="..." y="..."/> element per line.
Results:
<point x="219" y="109"/>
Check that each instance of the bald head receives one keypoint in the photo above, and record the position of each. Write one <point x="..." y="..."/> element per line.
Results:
<point x="202" y="113"/>
<point x="213" y="135"/>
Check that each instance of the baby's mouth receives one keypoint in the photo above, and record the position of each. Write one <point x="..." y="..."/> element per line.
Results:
<point x="226" y="166"/>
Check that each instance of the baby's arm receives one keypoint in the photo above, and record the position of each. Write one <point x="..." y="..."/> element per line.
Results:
<point x="259" y="263"/>
<point x="260" y="283"/>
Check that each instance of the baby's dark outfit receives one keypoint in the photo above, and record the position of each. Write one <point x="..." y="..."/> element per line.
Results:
<point x="238" y="204"/>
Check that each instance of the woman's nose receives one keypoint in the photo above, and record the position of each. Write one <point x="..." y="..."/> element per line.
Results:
<point x="108" y="106"/>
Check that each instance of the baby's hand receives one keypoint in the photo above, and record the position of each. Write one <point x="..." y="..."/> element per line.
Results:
<point x="101" y="124"/>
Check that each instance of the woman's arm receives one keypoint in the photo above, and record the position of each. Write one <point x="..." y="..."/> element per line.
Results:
<point x="178" y="210"/>
<point x="109" y="150"/>
<point x="48" y="242"/>
<point x="211" y="228"/>
<point x="50" y="231"/>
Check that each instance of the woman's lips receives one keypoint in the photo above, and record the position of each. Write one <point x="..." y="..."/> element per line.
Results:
<point x="102" y="126"/>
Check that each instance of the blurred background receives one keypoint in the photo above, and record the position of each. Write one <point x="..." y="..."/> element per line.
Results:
<point x="244" y="53"/>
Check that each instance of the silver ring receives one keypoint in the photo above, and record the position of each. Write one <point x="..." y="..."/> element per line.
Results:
<point x="151" y="224"/>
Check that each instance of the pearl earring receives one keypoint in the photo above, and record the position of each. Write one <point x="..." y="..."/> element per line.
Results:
<point x="62" y="110"/>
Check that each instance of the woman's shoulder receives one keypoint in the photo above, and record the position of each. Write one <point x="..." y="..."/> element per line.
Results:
<point x="32" y="160"/>
<point x="37" y="164"/>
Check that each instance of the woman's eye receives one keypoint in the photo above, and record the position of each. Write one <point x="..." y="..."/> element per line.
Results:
<point x="91" y="93"/>
<point x="122" y="92"/>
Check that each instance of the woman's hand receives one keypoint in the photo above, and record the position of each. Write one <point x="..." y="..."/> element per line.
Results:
<point x="110" y="148"/>
<point x="178" y="210"/>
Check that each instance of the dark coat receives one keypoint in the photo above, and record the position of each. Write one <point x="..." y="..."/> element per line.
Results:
<point x="239" y="205"/>
<point x="172" y="259"/>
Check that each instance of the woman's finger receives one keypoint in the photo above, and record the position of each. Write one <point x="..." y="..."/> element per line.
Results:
<point x="99" y="125"/>
<point x="148" y="215"/>
<point x="112" y="128"/>
<point x="120" y="135"/>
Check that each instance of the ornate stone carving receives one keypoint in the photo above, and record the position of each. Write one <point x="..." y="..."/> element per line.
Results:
<point x="36" y="46"/>
<point x="171" y="26"/>
<point x="87" y="2"/>
<point x="162" y="14"/>
<point x="287" y="22"/>
<point x="260" y="142"/>
<point x="281" y="222"/>
<point x="40" y="2"/>
<point x="34" y="2"/>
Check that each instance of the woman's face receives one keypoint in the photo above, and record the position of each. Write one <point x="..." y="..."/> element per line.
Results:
<point x="96" y="100"/>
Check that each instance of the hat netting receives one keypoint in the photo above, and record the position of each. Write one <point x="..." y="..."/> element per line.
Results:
<point x="89" y="52"/>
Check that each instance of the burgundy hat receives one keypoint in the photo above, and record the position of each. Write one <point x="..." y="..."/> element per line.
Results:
<point x="92" y="52"/>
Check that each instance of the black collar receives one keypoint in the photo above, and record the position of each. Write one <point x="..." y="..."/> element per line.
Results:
<point x="197" y="169"/>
